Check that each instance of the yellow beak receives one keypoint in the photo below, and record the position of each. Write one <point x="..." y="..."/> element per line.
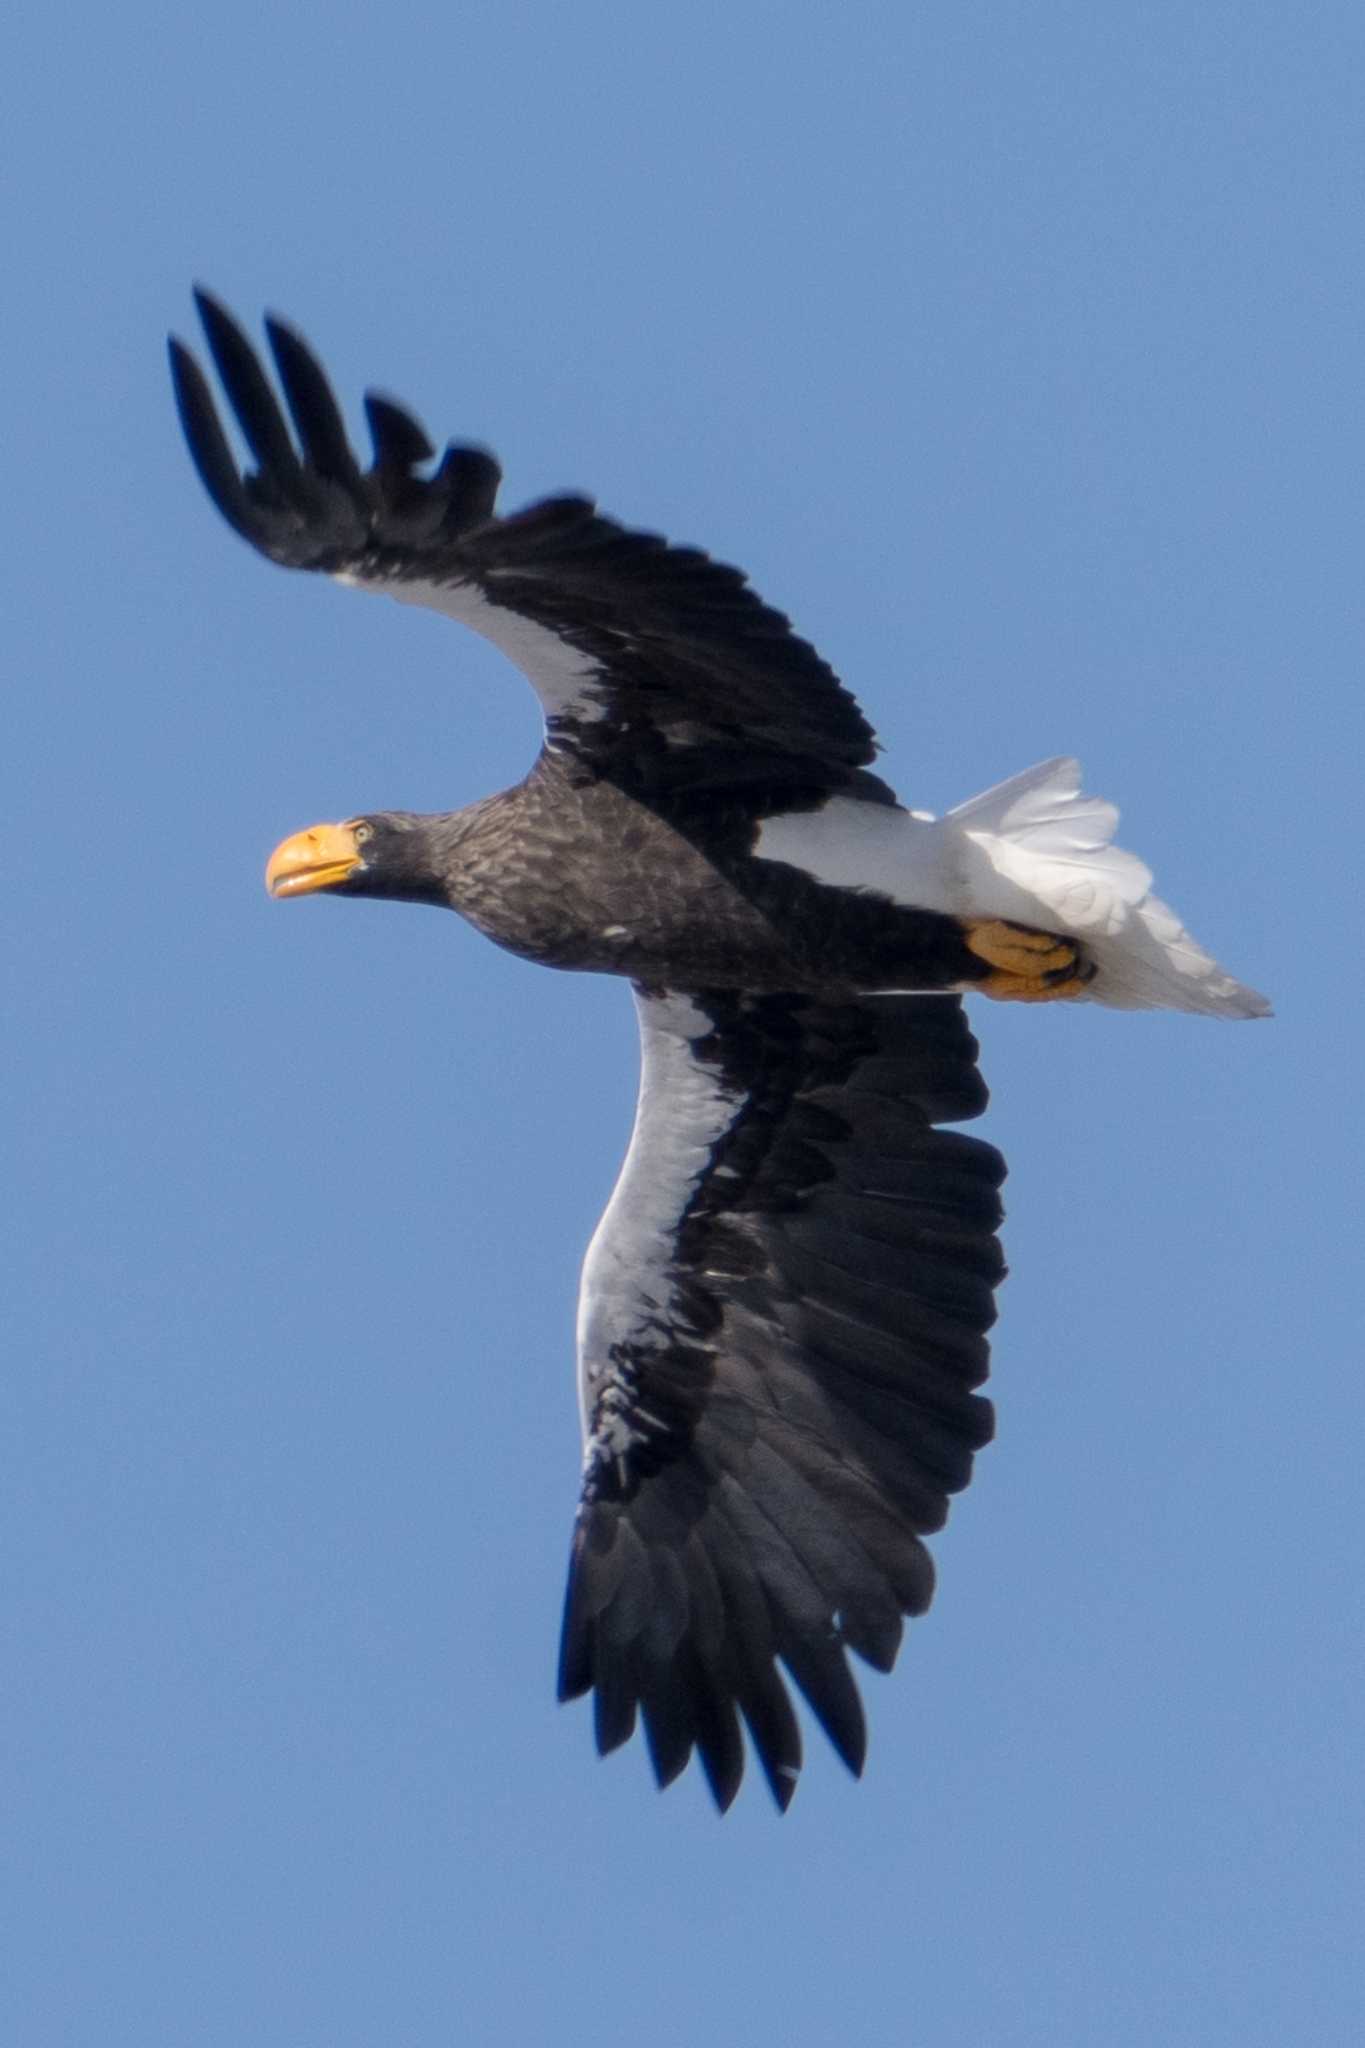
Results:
<point x="316" y="859"/>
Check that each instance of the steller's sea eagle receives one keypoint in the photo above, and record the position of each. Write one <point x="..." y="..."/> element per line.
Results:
<point x="783" y="1315"/>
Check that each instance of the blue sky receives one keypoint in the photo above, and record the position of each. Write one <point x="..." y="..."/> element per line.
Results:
<point x="1016" y="352"/>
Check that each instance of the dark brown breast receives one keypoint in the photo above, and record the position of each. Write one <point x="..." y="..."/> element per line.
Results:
<point x="572" y="872"/>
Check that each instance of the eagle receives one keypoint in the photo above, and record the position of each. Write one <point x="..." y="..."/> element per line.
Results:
<point x="783" y="1317"/>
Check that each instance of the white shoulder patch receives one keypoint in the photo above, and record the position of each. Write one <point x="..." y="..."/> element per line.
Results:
<point x="567" y="681"/>
<point x="851" y="845"/>
<point x="684" y="1110"/>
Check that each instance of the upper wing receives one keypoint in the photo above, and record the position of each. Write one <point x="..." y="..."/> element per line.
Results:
<point x="654" y="664"/>
<point x="782" y="1320"/>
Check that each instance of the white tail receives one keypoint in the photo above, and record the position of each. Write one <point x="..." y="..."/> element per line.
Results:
<point x="1039" y="851"/>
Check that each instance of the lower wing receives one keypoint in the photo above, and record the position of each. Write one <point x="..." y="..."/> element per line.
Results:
<point x="782" y="1323"/>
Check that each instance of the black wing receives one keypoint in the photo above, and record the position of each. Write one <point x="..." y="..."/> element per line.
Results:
<point x="783" y="1319"/>
<point x="655" y="665"/>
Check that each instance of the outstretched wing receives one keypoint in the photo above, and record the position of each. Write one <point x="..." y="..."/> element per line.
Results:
<point x="782" y="1321"/>
<point x="655" y="665"/>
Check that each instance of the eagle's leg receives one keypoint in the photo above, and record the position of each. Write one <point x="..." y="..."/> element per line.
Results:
<point x="1027" y="966"/>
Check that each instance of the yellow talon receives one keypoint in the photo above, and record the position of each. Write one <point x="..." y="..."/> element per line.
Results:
<point x="1030" y="966"/>
<point x="1018" y="988"/>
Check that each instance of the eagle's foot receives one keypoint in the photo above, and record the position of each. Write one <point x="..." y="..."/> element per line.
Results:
<point x="1029" y="966"/>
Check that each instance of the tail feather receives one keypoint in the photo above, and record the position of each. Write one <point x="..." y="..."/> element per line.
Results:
<point x="1040" y="851"/>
